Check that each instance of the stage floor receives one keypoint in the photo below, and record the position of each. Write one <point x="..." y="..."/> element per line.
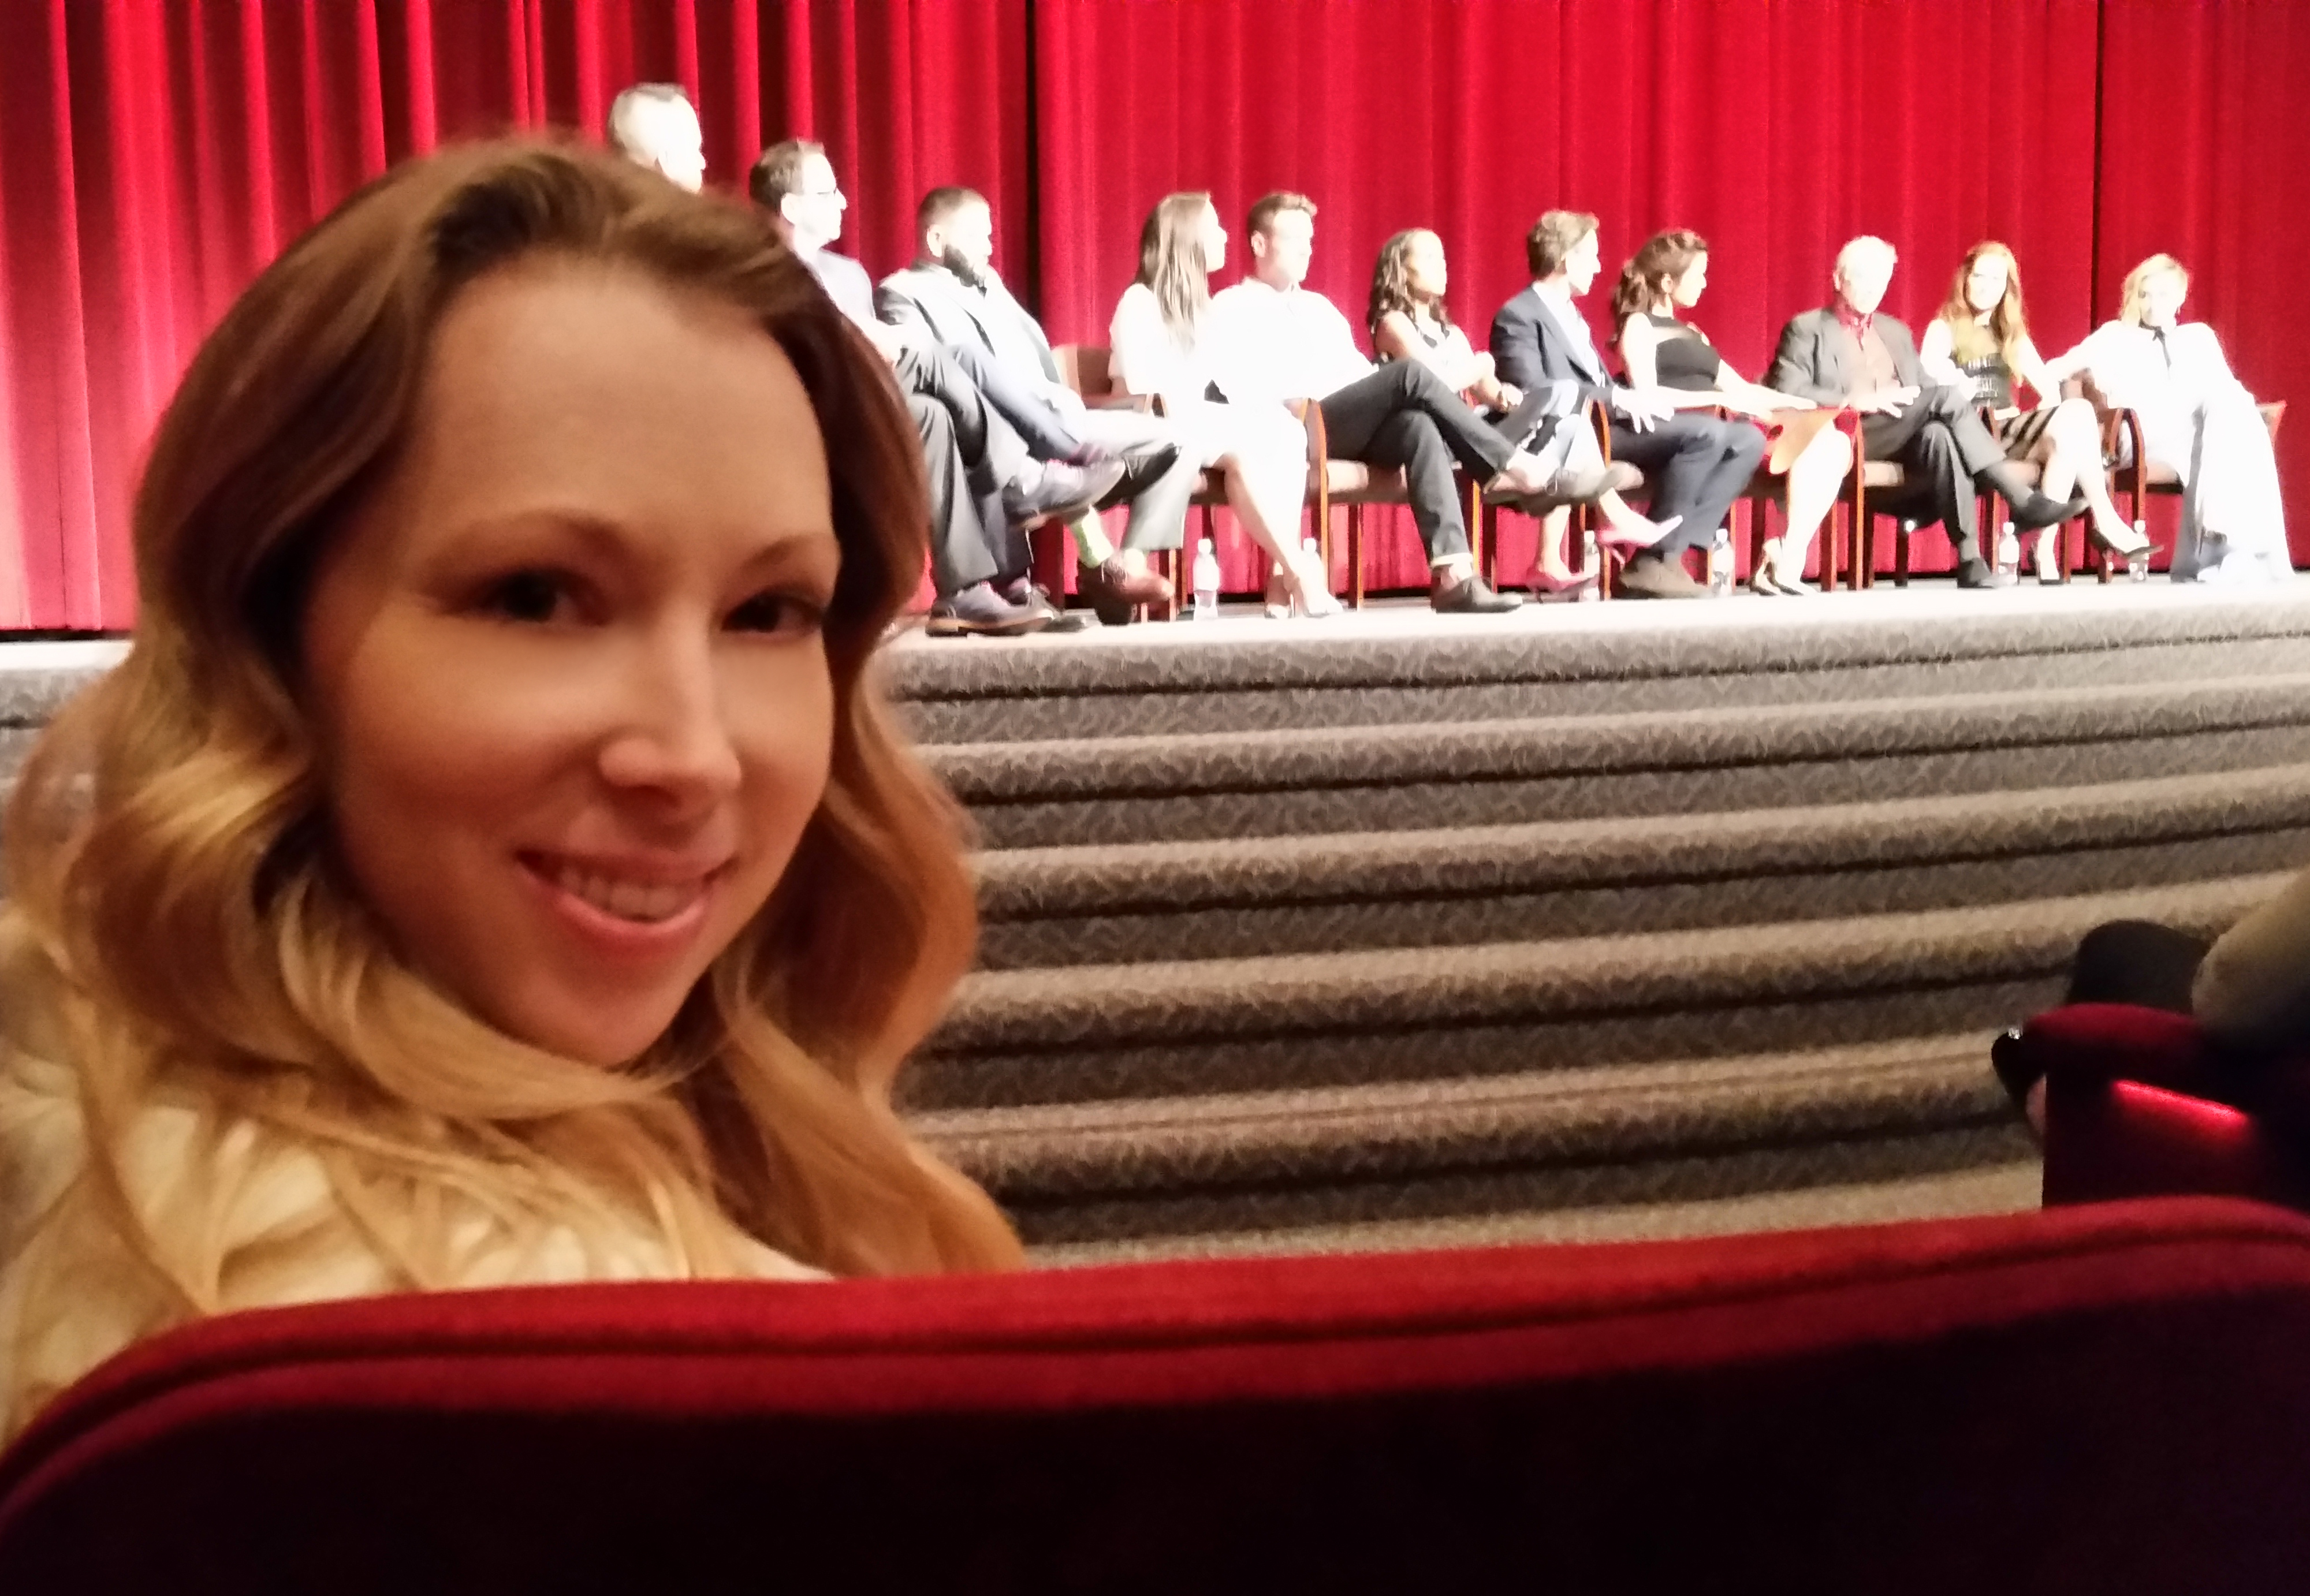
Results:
<point x="1398" y="620"/>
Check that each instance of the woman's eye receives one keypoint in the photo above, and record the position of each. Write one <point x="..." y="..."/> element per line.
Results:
<point x="527" y="596"/>
<point x="775" y="612"/>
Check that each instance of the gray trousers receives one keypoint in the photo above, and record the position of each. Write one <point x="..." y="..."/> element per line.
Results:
<point x="1158" y="476"/>
<point x="1940" y="440"/>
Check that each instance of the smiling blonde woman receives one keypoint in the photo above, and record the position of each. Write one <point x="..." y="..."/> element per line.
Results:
<point x="490" y="864"/>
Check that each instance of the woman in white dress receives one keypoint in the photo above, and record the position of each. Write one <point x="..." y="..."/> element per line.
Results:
<point x="2198" y="419"/>
<point x="1158" y="349"/>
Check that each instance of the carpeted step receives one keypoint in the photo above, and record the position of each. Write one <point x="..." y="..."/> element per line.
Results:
<point x="1421" y="777"/>
<point x="1231" y="900"/>
<point x="1573" y="1138"/>
<point x="1155" y="680"/>
<point x="1313" y="1020"/>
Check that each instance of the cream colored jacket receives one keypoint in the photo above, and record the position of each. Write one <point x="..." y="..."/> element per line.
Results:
<point x="284" y="1238"/>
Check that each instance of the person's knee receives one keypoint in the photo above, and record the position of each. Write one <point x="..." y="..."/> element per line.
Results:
<point x="1747" y="444"/>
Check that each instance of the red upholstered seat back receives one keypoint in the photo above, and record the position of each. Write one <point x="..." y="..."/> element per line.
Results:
<point x="2141" y="1104"/>
<point x="2100" y="1399"/>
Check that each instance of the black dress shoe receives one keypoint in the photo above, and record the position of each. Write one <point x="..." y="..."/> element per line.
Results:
<point x="1974" y="573"/>
<point x="2038" y="510"/>
<point x="1470" y="596"/>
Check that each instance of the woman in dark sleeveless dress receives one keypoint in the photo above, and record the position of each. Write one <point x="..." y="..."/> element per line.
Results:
<point x="1661" y="350"/>
<point x="1981" y="337"/>
<point x="1409" y="322"/>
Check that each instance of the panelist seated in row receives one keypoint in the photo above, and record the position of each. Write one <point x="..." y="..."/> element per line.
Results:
<point x="1409" y="321"/>
<point x="1270" y="340"/>
<point x="951" y="295"/>
<point x="1658" y="287"/>
<point x="1848" y="353"/>
<point x="987" y="488"/>
<point x="1161" y="348"/>
<point x="1697" y="465"/>
<point x="1980" y="342"/>
<point x="2197" y="420"/>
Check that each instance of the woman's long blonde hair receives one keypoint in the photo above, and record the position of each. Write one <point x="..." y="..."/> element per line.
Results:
<point x="2009" y="320"/>
<point x="178" y="929"/>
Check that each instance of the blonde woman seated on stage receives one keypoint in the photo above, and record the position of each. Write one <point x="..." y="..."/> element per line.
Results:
<point x="492" y="862"/>
<point x="2198" y="419"/>
<point x="1159" y="349"/>
<point x="1660" y="349"/>
<point x="1981" y="337"/>
<point x="1409" y="322"/>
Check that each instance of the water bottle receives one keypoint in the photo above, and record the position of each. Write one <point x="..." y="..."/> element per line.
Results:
<point x="2137" y="566"/>
<point x="2008" y="557"/>
<point x="1207" y="581"/>
<point x="1720" y="564"/>
<point x="1590" y="553"/>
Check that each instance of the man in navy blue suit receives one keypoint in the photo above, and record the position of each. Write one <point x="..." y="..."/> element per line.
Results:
<point x="1699" y="464"/>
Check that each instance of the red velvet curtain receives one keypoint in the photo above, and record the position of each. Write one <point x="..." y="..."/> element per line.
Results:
<point x="155" y="153"/>
<point x="2203" y="138"/>
<point x="1777" y="128"/>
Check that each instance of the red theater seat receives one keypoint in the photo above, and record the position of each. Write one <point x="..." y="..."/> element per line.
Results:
<point x="2097" y="1399"/>
<point x="2139" y="1103"/>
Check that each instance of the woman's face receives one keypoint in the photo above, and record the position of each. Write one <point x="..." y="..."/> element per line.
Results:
<point x="1424" y="272"/>
<point x="2162" y="293"/>
<point x="1985" y="285"/>
<point x="564" y="664"/>
<point x="1214" y="241"/>
<point x="1687" y="289"/>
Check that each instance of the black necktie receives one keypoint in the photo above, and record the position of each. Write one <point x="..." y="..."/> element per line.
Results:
<point x="2164" y="348"/>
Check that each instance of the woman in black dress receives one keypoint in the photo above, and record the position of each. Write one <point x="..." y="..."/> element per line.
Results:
<point x="1662" y="349"/>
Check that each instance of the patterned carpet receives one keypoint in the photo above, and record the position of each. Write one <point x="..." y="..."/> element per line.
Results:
<point x="1607" y="921"/>
<point x="1590" y="922"/>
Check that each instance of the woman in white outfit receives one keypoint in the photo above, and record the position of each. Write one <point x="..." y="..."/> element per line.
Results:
<point x="2198" y="419"/>
<point x="1158" y="349"/>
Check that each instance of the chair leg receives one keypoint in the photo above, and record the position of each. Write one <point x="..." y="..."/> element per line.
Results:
<point x="1355" y="556"/>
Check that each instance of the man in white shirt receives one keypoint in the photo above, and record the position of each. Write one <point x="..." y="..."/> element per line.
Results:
<point x="987" y="489"/>
<point x="952" y="296"/>
<point x="1280" y="340"/>
<point x="655" y="125"/>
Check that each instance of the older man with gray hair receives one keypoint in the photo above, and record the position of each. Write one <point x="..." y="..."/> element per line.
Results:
<point x="655" y="124"/>
<point x="1848" y="353"/>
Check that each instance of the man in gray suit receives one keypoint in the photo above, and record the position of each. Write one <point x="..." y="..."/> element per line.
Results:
<point x="1846" y="353"/>
<point x="986" y="488"/>
<point x="953" y="296"/>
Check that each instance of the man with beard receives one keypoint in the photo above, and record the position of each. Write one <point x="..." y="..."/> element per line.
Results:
<point x="987" y="488"/>
<point x="953" y="296"/>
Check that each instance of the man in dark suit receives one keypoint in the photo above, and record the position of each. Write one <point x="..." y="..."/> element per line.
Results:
<point x="1846" y="353"/>
<point x="952" y="298"/>
<point x="1699" y="464"/>
<point x="986" y="488"/>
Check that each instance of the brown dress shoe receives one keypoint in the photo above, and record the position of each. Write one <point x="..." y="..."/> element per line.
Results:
<point x="1116" y="594"/>
<point x="1468" y="597"/>
<point x="1661" y="577"/>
